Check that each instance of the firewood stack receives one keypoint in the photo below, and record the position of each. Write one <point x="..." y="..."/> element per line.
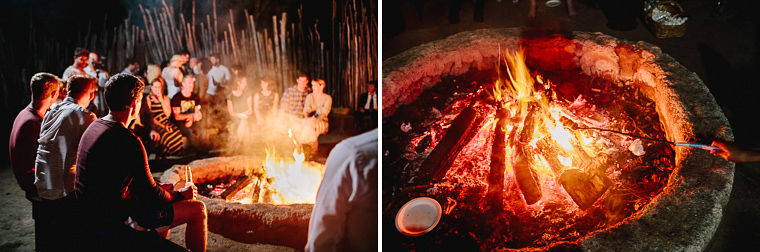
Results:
<point x="585" y="182"/>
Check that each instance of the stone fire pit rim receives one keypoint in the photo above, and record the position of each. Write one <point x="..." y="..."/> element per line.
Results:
<point x="686" y="214"/>
<point x="283" y="225"/>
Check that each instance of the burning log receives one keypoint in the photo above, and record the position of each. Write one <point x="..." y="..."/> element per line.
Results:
<point x="588" y="184"/>
<point x="579" y="120"/>
<point x="241" y="183"/>
<point x="256" y="192"/>
<point x="550" y="154"/>
<point x="495" y="194"/>
<point x="584" y="188"/>
<point x="580" y="155"/>
<point x="526" y="176"/>
<point x="522" y="160"/>
<point x="462" y="130"/>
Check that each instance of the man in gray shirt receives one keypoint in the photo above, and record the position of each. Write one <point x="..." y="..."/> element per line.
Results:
<point x="61" y="129"/>
<point x="54" y="174"/>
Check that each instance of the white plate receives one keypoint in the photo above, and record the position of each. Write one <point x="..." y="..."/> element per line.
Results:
<point x="418" y="216"/>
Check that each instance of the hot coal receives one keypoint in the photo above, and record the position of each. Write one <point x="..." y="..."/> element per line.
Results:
<point x="632" y="180"/>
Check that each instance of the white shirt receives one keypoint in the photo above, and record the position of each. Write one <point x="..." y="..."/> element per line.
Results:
<point x="55" y="166"/>
<point x="168" y="74"/>
<point x="371" y="101"/>
<point x="72" y="71"/>
<point x="345" y="213"/>
<point x="218" y="74"/>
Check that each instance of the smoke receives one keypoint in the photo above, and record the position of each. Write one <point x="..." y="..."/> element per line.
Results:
<point x="276" y="134"/>
<point x="234" y="136"/>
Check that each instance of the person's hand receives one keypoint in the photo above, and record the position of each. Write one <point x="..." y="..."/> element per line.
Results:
<point x="197" y="116"/>
<point x="730" y="151"/>
<point x="166" y="187"/>
<point x="189" y="122"/>
<point x="153" y="98"/>
<point x="32" y="195"/>
<point x="188" y="192"/>
<point x="155" y="136"/>
<point x="168" y="128"/>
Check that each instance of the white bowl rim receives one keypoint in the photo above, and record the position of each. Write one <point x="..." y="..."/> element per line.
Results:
<point x="418" y="201"/>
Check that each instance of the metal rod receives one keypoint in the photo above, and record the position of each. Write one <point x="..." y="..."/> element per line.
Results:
<point x="682" y="144"/>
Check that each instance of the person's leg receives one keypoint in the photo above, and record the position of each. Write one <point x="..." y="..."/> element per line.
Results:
<point x="149" y="241"/>
<point x="571" y="9"/>
<point x="374" y="120"/>
<point x="479" y="10"/>
<point x="43" y="226"/>
<point x="314" y="148"/>
<point x="532" y="9"/>
<point x="192" y="212"/>
<point x="454" y="8"/>
<point x="242" y="133"/>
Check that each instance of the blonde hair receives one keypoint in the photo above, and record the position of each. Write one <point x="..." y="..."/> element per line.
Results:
<point x="321" y="82"/>
<point x="153" y="72"/>
<point x="176" y="59"/>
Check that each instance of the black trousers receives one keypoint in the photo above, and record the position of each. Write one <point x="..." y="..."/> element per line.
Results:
<point x="55" y="224"/>
<point x="120" y="237"/>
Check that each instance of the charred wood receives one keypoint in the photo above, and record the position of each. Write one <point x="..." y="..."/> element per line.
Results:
<point x="495" y="194"/>
<point x="550" y="153"/>
<point x="527" y="178"/>
<point x="584" y="188"/>
<point x="237" y="186"/>
<point x="461" y="132"/>
<point x="581" y="157"/>
<point x="522" y="159"/>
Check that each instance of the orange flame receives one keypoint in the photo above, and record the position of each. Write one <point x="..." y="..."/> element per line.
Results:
<point x="516" y="92"/>
<point x="294" y="181"/>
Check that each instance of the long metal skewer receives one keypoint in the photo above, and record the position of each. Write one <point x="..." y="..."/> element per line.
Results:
<point x="683" y="144"/>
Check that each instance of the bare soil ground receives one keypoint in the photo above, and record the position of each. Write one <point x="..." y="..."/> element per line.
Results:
<point x="17" y="225"/>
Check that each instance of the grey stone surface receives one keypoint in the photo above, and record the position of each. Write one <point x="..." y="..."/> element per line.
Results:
<point x="682" y="218"/>
<point x="281" y="225"/>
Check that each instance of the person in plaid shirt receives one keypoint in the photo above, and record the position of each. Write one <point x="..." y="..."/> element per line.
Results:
<point x="293" y="97"/>
<point x="291" y="107"/>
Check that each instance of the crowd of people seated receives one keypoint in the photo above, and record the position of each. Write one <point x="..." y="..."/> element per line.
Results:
<point x="192" y="106"/>
<point x="88" y="177"/>
<point x="80" y="149"/>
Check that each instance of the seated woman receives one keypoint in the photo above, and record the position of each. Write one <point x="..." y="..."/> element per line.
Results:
<point x="160" y="105"/>
<point x="265" y="103"/>
<point x="239" y="106"/>
<point x="316" y="108"/>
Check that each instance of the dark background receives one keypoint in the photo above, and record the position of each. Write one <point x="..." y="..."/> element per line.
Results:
<point x="722" y="51"/>
<point x="41" y="35"/>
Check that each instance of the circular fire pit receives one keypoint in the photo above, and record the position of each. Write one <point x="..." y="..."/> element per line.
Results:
<point x="285" y="225"/>
<point x="683" y="217"/>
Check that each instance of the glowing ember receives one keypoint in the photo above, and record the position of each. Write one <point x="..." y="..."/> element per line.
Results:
<point x="542" y="119"/>
<point x="560" y="179"/>
<point x="281" y="181"/>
